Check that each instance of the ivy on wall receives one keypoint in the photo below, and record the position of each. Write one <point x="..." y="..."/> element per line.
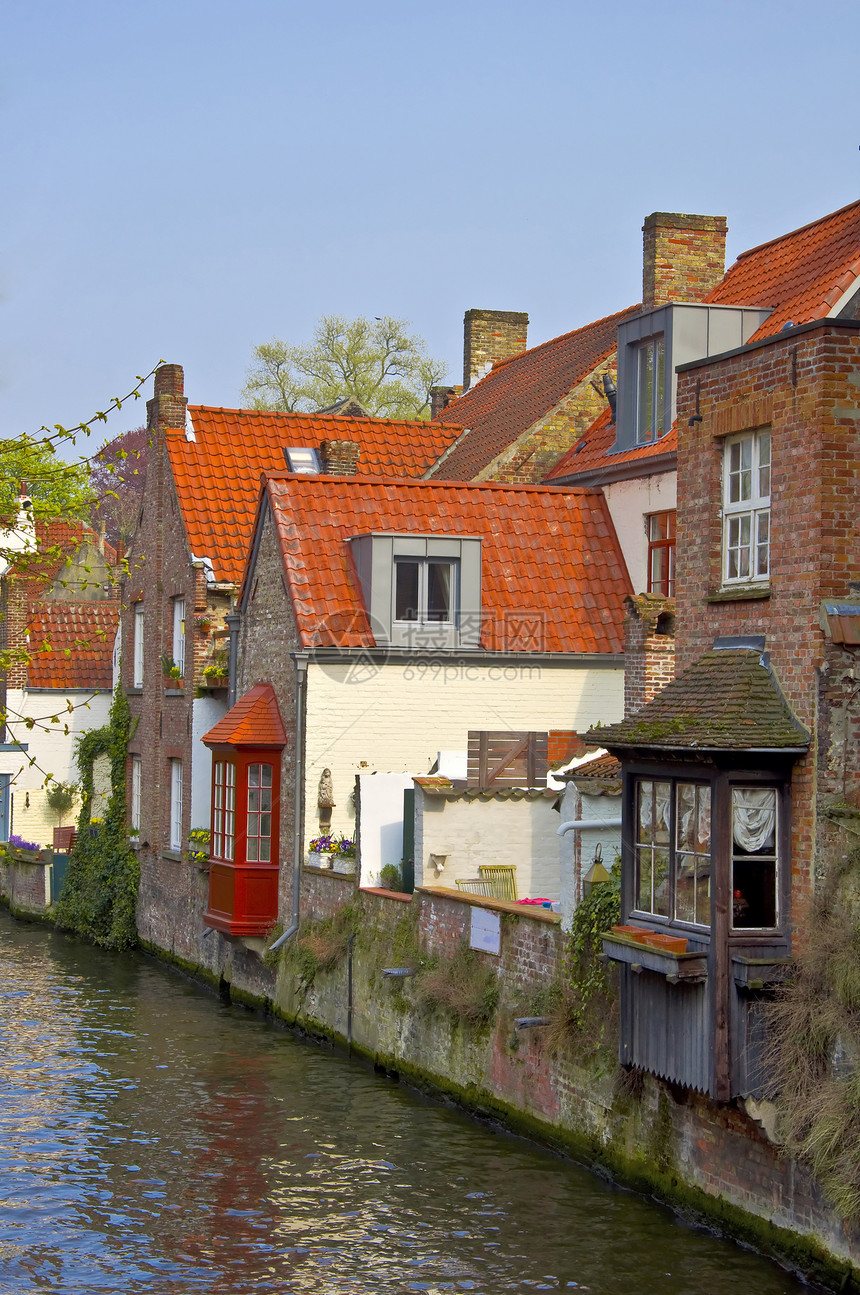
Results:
<point x="99" y="895"/>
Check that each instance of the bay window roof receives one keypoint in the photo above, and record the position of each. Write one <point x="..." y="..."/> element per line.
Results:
<point x="254" y="721"/>
<point x="728" y="700"/>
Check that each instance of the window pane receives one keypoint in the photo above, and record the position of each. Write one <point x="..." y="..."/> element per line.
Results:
<point x="251" y="852"/>
<point x="645" y="392"/>
<point x="265" y="850"/>
<point x="685" y="817"/>
<point x="266" y="800"/>
<point x="754" y="859"/>
<point x="439" y="584"/>
<point x="738" y="547"/>
<point x="266" y="777"/>
<point x="645" y="812"/>
<point x="253" y="775"/>
<point x="685" y="887"/>
<point x="762" y="561"/>
<point x="406" y="591"/>
<point x="265" y="825"/>
<point x="661" y="883"/>
<point x="253" y="800"/>
<point x="764" y="465"/>
<point x="643" y="884"/>
<point x="658" y="388"/>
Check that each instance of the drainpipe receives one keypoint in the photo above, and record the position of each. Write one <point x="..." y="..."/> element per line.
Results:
<point x="232" y="621"/>
<point x="576" y="824"/>
<point x="301" y="661"/>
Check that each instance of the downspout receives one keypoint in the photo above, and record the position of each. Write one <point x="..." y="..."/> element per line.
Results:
<point x="301" y="661"/>
<point x="232" y="621"/>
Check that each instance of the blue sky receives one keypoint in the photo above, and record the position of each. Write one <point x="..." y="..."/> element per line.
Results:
<point x="187" y="178"/>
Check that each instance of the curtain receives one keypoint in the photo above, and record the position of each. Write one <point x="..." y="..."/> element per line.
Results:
<point x="754" y="818"/>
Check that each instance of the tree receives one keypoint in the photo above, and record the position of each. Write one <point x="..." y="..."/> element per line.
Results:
<point x="118" y="473"/>
<point x="376" y="362"/>
<point x="57" y="488"/>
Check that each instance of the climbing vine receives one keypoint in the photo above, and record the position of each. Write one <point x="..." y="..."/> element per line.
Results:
<point x="99" y="896"/>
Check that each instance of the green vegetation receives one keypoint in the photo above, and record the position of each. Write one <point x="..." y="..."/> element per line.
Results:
<point x="317" y="946"/>
<point x="391" y="878"/>
<point x="463" y="986"/>
<point x="100" y="891"/>
<point x="61" y="796"/>
<point x="376" y="362"/>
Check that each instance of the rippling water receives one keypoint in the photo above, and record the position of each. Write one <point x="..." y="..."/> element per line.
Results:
<point x="152" y="1139"/>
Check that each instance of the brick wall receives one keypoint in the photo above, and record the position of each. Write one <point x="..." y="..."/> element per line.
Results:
<point x="23" y="886"/>
<point x="490" y="336"/>
<point x="805" y="388"/>
<point x="684" y="257"/>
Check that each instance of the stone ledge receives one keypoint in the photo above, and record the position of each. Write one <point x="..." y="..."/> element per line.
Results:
<point x="498" y="905"/>
<point x="756" y="593"/>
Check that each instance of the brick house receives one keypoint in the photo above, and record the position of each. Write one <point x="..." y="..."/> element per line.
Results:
<point x="736" y="774"/>
<point x="185" y="562"/>
<point x="381" y="621"/>
<point x="60" y="611"/>
<point x="691" y="309"/>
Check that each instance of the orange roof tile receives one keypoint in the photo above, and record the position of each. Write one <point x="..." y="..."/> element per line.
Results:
<point x="550" y="560"/>
<point x="801" y="275"/>
<point x="515" y="394"/>
<point x="255" y="720"/>
<point x="71" y="644"/>
<point x="592" y="451"/>
<point x="58" y="541"/>
<point x="217" y="475"/>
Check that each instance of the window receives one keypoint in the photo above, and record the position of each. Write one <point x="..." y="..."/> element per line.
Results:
<point x="650" y="390"/>
<point x="223" y="810"/>
<point x="136" y="773"/>
<point x="661" y="553"/>
<point x="746" y="508"/>
<point x="259" y="834"/>
<point x="138" y="645"/>
<point x="179" y="634"/>
<point x="424" y="591"/>
<point x="755" y="901"/>
<point x="175" y="804"/>
<point x="673" y="850"/>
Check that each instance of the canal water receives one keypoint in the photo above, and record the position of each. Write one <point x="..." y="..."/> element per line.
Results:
<point x="154" y="1139"/>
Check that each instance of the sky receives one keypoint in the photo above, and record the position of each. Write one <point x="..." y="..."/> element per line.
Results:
<point x="188" y="178"/>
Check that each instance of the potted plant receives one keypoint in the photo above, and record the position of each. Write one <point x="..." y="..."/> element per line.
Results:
<point x="203" y="622"/>
<point x="320" y="851"/>
<point x="199" y="839"/>
<point x="26" y="851"/>
<point x="172" y="673"/>
<point x="343" y="859"/>
<point x="215" y="676"/>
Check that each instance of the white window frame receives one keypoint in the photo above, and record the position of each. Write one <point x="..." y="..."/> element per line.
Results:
<point x="138" y="645"/>
<point x="423" y="563"/>
<point x="176" y="804"/>
<point x="224" y="810"/>
<point x="651" y="408"/>
<point x="136" y="788"/>
<point x="179" y="633"/>
<point x="747" y="469"/>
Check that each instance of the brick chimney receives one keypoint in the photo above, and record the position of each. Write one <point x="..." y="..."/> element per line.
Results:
<point x="683" y="257"/>
<point x="340" y="458"/>
<point x="441" y="398"/>
<point x="168" y="403"/>
<point x="490" y="336"/>
<point x="649" y="648"/>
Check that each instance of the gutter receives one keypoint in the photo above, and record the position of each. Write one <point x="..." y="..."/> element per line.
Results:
<point x="455" y="656"/>
<point x="577" y="824"/>
<point x="648" y="466"/>
<point x="301" y="660"/>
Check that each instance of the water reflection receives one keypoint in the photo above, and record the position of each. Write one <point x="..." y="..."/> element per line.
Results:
<point x="153" y="1140"/>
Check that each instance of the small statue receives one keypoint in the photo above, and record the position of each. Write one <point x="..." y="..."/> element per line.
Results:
<point x="325" y="796"/>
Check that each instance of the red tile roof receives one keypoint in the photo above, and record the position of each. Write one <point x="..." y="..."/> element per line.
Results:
<point x="71" y="644"/>
<point x="518" y="392"/>
<point x="550" y="559"/>
<point x="592" y="450"/>
<point x="801" y="275"/>
<point x="58" y="541"/>
<point x="255" y="720"/>
<point x="217" y="476"/>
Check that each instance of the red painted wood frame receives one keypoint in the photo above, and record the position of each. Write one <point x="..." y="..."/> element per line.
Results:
<point x="243" y="892"/>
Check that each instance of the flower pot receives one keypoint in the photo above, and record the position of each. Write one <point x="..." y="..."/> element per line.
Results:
<point x="318" y="860"/>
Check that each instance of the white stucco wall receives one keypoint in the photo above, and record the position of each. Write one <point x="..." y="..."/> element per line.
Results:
<point x="381" y="817"/>
<point x="475" y="832"/>
<point x="629" y="502"/>
<point x="396" y="719"/>
<point x="205" y="714"/>
<point x="577" y="848"/>
<point x="52" y="749"/>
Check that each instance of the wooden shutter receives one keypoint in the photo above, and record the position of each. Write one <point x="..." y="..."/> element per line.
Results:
<point x="506" y="760"/>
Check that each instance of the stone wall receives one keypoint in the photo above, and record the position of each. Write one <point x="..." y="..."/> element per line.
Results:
<point x="25" y="887"/>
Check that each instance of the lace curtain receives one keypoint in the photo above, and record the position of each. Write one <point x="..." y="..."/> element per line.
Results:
<point x="754" y="818"/>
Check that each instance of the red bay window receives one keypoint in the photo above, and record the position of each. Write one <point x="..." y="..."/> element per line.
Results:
<point x="246" y="750"/>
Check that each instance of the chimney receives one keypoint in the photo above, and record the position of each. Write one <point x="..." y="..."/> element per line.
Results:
<point x="441" y="398"/>
<point x="683" y="257"/>
<point x="649" y="648"/>
<point x="340" y="458"/>
<point x="167" y="406"/>
<point x="490" y="336"/>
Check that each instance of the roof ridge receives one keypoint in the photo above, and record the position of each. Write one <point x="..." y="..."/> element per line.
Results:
<point x="279" y="413"/>
<point x="281" y="474"/>
<point x="780" y="238"/>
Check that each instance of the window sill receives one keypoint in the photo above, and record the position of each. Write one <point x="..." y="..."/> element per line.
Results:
<point x="136" y="691"/>
<point x="737" y="594"/>
<point x="175" y="856"/>
<point x="174" y="692"/>
<point x="692" y="968"/>
<point x="758" y="973"/>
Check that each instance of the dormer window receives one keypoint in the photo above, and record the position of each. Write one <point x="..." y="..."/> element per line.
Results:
<point x="650" y="390"/>
<point x="421" y="592"/>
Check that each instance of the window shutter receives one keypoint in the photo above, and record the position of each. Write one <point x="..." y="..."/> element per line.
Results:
<point x="506" y="759"/>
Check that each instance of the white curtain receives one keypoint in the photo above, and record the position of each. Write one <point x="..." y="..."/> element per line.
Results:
<point x="753" y="818"/>
<point x="664" y="800"/>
